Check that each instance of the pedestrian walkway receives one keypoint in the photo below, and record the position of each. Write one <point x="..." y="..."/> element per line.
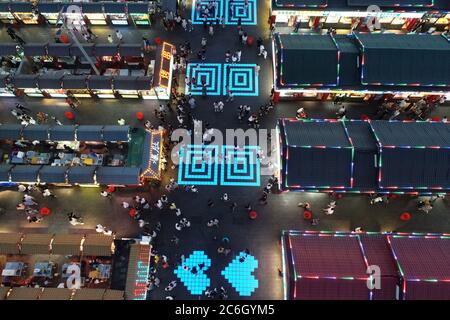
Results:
<point x="233" y="10"/>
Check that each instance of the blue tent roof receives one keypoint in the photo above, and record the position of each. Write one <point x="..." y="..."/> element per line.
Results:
<point x="349" y="73"/>
<point x="137" y="7"/>
<point x="114" y="7"/>
<point x="35" y="49"/>
<point x="49" y="7"/>
<point x="36" y="132"/>
<point x="89" y="133"/>
<point x="62" y="133"/>
<point x="24" y="81"/>
<point x="116" y="133"/>
<point x="361" y="135"/>
<point x="118" y="175"/>
<point x="90" y="7"/>
<point x="103" y="49"/>
<point x="53" y="174"/>
<point x="130" y="50"/>
<point x="391" y="59"/>
<point x="81" y="175"/>
<point x="59" y="49"/>
<point x="49" y="81"/>
<point x="21" y="6"/>
<point x="307" y="59"/>
<point x="100" y="82"/>
<point x="7" y="49"/>
<point x="4" y="172"/>
<point x="10" y="131"/>
<point x="316" y="133"/>
<point x="25" y="173"/>
<point x="74" y="82"/>
<point x="390" y="3"/>
<point x="125" y="83"/>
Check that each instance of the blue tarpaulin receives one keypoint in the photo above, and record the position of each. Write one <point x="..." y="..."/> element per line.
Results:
<point x="83" y="175"/>
<point x="118" y="175"/>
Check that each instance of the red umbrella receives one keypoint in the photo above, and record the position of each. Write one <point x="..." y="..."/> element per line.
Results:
<point x="249" y="41"/>
<point x="405" y="216"/>
<point x="158" y="40"/>
<point x="132" y="212"/>
<point x="111" y="189"/>
<point x="64" y="38"/>
<point x="139" y="116"/>
<point x="307" y="215"/>
<point x="69" y="115"/>
<point x="253" y="215"/>
<point x="436" y="118"/>
<point x="364" y="117"/>
<point x="45" y="211"/>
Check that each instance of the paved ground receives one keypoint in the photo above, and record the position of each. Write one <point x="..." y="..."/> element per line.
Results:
<point x="261" y="236"/>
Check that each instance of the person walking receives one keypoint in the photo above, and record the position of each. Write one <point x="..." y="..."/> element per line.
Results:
<point x="230" y="96"/>
<point x="110" y="39"/>
<point x="119" y="36"/>
<point x="184" y="24"/>
<point x="121" y="122"/>
<point x="233" y="207"/>
<point x="239" y="54"/>
<point x="203" y="42"/>
<point x="47" y="193"/>
<point x="257" y="69"/>
<point x="106" y="194"/>
<point x="261" y="49"/>
<point x="227" y="56"/>
<point x="211" y="29"/>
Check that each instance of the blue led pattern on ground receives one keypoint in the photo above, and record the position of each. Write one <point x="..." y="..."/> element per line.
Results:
<point x="242" y="167"/>
<point x="197" y="17"/>
<point x="239" y="274"/>
<point x="237" y="10"/>
<point x="198" y="165"/>
<point x="241" y="79"/>
<point x="197" y="282"/>
<point x="210" y="72"/>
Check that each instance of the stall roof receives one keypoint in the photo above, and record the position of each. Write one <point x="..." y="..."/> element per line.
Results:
<point x="35" y="132"/>
<point x="100" y="82"/>
<point x="82" y="175"/>
<point x="4" y="172"/>
<point x="74" y="82"/>
<point x="62" y="133"/>
<point x="301" y="3"/>
<point x="3" y="80"/>
<point x="113" y="295"/>
<point x="412" y="134"/>
<point x="130" y="50"/>
<point x="92" y="7"/>
<point x="56" y="294"/>
<point x="391" y="59"/>
<point x="35" y="49"/>
<point x="118" y="175"/>
<point x="169" y="5"/>
<point x="25" y="173"/>
<point x="315" y="133"/>
<point x="7" y="49"/>
<point x="98" y="245"/>
<point x="76" y="52"/>
<point x="36" y="243"/>
<point x="308" y="60"/>
<point x="9" y="243"/>
<point x="124" y="83"/>
<point x="139" y="255"/>
<point x="88" y="294"/>
<point x="361" y="135"/>
<point x="137" y="7"/>
<point x="89" y="133"/>
<point x="391" y="3"/>
<point x="11" y="131"/>
<point x="3" y="292"/>
<point x="53" y="174"/>
<point x="24" y="293"/>
<point x="59" y="49"/>
<point x="116" y="133"/>
<point x="66" y="244"/>
<point x="49" y="7"/>
<point x="21" y="7"/>
<point x="114" y="7"/>
<point x="24" y="81"/>
<point x="106" y="50"/>
<point x="49" y="81"/>
<point x="4" y="6"/>
<point x="143" y="83"/>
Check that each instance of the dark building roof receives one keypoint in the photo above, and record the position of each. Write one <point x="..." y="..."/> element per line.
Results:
<point x="49" y="81"/>
<point x="76" y="52"/>
<point x="11" y="131"/>
<point x="35" y="49"/>
<point x="143" y="83"/>
<point x="130" y="50"/>
<point x="307" y="60"/>
<point x="124" y="83"/>
<point x="62" y="133"/>
<point x="92" y="7"/>
<point x="106" y="50"/>
<point x="21" y="6"/>
<point x="59" y="49"/>
<point x="25" y="173"/>
<point x="316" y="133"/>
<point x="4" y="172"/>
<point x="361" y="135"/>
<point x="23" y="81"/>
<point x="89" y="133"/>
<point x="137" y="7"/>
<point x="349" y="73"/>
<point x="114" y="7"/>
<point x="392" y="59"/>
<point x="49" y="7"/>
<point x="116" y="133"/>
<point x="53" y="174"/>
<point x="74" y="82"/>
<point x="35" y="132"/>
<point x="100" y="82"/>
<point x="118" y="175"/>
<point x="7" y="49"/>
<point x="84" y="174"/>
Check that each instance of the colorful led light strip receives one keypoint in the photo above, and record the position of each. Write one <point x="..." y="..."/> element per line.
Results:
<point x="142" y="270"/>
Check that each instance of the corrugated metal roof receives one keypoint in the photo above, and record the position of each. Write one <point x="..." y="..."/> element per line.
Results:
<point x="97" y="245"/>
<point x="88" y="294"/>
<point x="361" y="135"/>
<point x="118" y="175"/>
<point x="326" y="289"/>
<point x="24" y="293"/>
<point x="113" y="295"/>
<point x="316" y="133"/>
<point x="9" y="243"/>
<point x="66" y="244"/>
<point x="56" y="294"/>
<point x="36" y="243"/>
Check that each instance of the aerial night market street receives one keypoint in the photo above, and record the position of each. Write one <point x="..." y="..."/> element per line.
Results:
<point x="225" y="150"/>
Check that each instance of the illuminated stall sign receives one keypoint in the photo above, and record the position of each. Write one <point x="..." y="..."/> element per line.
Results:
<point x="153" y="170"/>
<point x="165" y="68"/>
<point x="142" y="269"/>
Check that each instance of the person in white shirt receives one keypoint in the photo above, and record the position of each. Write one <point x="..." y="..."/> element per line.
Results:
<point x="119" y="35"/>
<point x="110" y="39"/>
<point x="125" y="205"/>
<point x="121" y="122"/>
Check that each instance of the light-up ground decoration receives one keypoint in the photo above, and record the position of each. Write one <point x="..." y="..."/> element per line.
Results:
<point x="240" y="78"/>
<point x="239" y="274"/>
<point x="198" y="282"/>
<point x="197" y="17"/>
<point x="199" y="165"/>
<point x="237" y="10"/>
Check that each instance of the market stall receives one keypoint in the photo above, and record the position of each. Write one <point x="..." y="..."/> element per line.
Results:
<point x="5" y="88"/>
<point x="81" y="175"/>
<point x="36" y="243"/>
<point x="76" y="86"/>
<point x="25" y="173"/>
<point x="93" y="13"/>
<point x="24" y="12"/>
<point x="139" y="13"/>
<point x="101" y="86"/>
<point x="98" y="245"/>
<point x="66" y="244"/>
<point x="6" y="17"/>
<point x="51" y="86"/>
<point x="116" y="12"/>
<point x="50" y="12"/>
<point x="9" y="243"/>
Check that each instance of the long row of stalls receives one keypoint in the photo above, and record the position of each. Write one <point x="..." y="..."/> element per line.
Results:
<point x="327" y="265"/>
<point x="53" y="69"/>
<point x="84" y="155"/>
<point x="88" y="13"/>
<point x="364" y="156"/>
<point x="361" y="66"/>
<point x="346" y="15"/>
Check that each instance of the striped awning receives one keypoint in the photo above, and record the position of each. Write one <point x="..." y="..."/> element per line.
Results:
<point x="36" y="243"/>
<point x="67" y="244"/>
<point x="98" y="245"/>
<point x="9" y="243"/>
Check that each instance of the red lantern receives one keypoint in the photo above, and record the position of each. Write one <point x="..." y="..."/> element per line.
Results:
<point x="405" y="216"/>
<point x="364" y="117"/>
<point x="69" y="115"/>
<point x="307" y="215"/>
<point x="64" y="38"/>
<point x="132" y="212"/>
<point x="139" y="116"/>
<point x="250" y="41"/>
<point x="158" y="40"/>
<point x="111" y="189"/>
<point x="436" y="118"/>
<point x="45" y="211"/>
<point x="252" y="215"/>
